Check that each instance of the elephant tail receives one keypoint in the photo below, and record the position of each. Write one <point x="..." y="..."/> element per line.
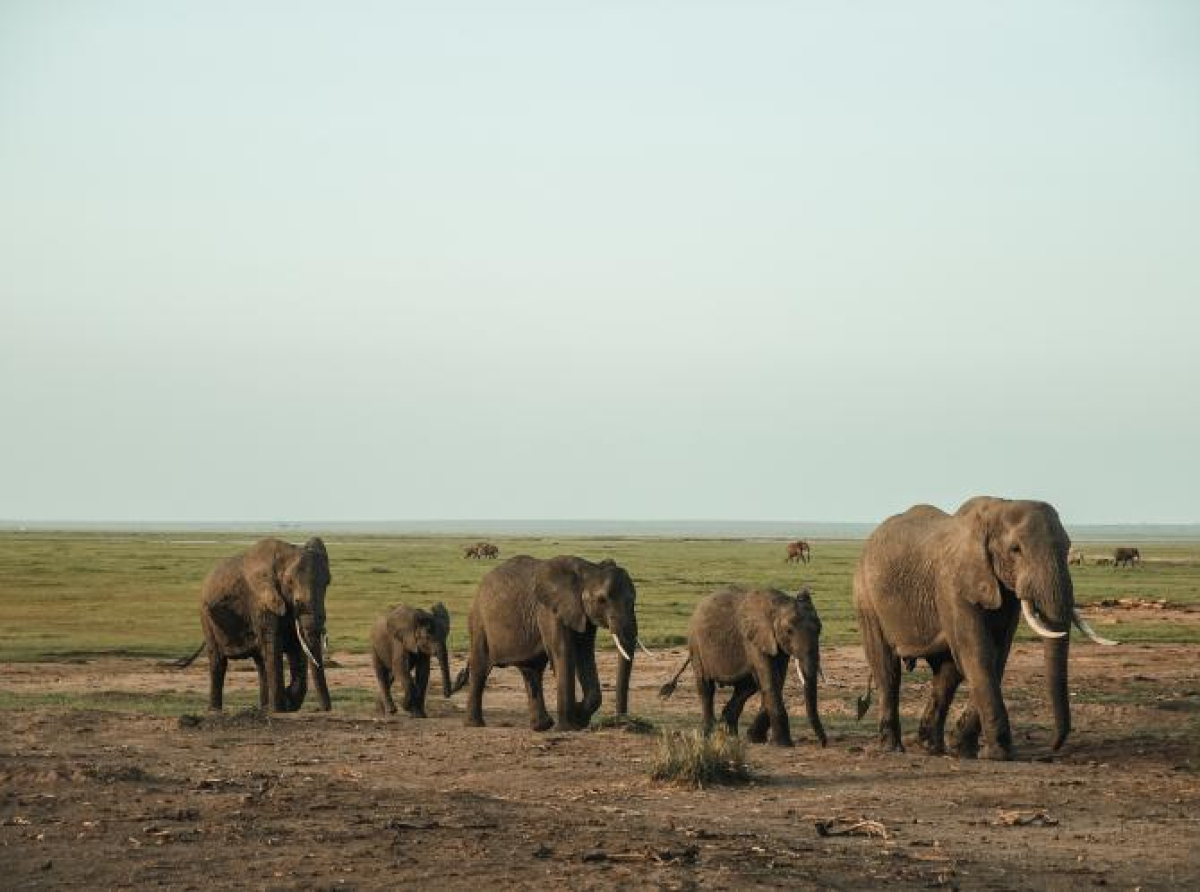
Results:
<point x="184" y="662"/>
<point x="864" y="701"/>
<point x="460" y="682"/>
<point x="669" y="688"/>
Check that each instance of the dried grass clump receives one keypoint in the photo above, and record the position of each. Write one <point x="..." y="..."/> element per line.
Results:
<point x="693" y="759"/>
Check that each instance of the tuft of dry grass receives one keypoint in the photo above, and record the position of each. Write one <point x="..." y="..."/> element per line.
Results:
<point x="696" y="760"/>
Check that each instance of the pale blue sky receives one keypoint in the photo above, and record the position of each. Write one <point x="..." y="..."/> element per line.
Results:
<point x="635" y="260"/>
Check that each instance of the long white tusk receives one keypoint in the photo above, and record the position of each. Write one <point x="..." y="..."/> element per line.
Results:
<point x="1036" y="624"/>
<point x="300" y="635"/>
<point x="647" y="651"/>
<point x="1087" y="630"/>
<point x="617" y="642"/>
<point x="325" y="642"/>
<point x="800" y="674"/>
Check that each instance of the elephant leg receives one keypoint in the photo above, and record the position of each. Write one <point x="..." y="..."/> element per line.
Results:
<point x="759" y="726"/>
<point x="978" y="661"/>
<point x="298" y="684"/>
<point x="885" y="667"/>
<point x="261" y="669"/>
<point x="539" y="719"/>
<point x="770" y="681"/>
<point x="589" y="679"/>
<point x="965" y="737"/>
<point x="564" y="665"/>
<point x="706" y="689"/>
<point x="743" y="690"/>
<point x="420" y="686"/>
<point x="217" y="664"/>
<point x="480" y="667"/>
<point x="383" y="676"/>
<point x="946" y="679"/>
<point x="401" y="669"/>
<point x="272" y="654"/>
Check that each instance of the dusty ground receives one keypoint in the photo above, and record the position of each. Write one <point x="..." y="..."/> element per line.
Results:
<point x="347" y="800"/>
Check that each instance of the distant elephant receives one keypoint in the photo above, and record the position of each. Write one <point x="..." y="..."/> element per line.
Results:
<point x="267" y="603"/>
<point x="530" y="612"/>
<point x="471" y="551"/>
<point x="1128" y="557"/>
<point x="746" y="638"/>
<point x="950" y="589"/>
<point x="402" y="643"/>
<point x="798" y="551"/>
<point x="1075" y="557"/>
<point x="488" y="550"/>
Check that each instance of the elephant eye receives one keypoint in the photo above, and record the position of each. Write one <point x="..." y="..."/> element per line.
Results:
<point x="1016" y="549"/>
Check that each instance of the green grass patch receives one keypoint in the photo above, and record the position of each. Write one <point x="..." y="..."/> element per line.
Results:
<point x="632" y="724"/>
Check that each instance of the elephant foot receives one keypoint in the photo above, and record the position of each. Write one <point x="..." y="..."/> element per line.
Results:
<point x="417" y="713"/>
<point x="889" y="745"/>
<point x="545" y="723"/>
<point x="965" y="748"/>
<point x="996" y="753"/>
<point x="474" y="721"/>
<point x="822" y="740"/>
<point x="570" y="725"/>
<point x="934" y="747"/>
<point x="782" y="741"/>
<point x="391" y="709"/>
<point x="756" y="735"/>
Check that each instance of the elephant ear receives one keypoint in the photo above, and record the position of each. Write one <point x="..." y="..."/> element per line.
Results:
<point x="559" y="588"/>
<point x="757" y="627"/>
<point x="971" y="565"/>
<point x="441" y="619"/>
<point x="261" y="568"/>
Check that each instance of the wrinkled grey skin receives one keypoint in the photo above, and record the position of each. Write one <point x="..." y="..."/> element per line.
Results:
<point x="402" y="643"/>
<point x="1128" y="557"/>
<point x="747" y="638"/>
<point x="530" y="612"/>
<point x="250" y="606"/>
<point x="946" y="588"/>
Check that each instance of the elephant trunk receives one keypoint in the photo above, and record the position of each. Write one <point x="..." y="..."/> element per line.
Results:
<point x="626" y="637"/>
<point x="1056" y="650"/>
<point x="812" y="672"/>
<point x="444" y="662"/>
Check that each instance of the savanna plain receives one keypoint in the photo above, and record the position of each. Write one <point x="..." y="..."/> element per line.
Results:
<point x="113" y="775"/>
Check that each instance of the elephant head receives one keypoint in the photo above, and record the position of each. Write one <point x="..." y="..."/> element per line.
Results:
<point x="1020" y="548"/>
<point x="603" y="595"/>
<point x="303" y="580"/>
<point x="430" y="632"/>
<point x="793" y="627"/>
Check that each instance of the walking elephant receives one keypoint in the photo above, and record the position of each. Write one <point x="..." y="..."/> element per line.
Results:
<point x="799" y="551"/>
<point x="746" y="638"/>
<point x="402" y="643"/>
<point x="530" y="612"/>
<point x="950" y="589"/>
<point x="267" y="603"/>
<point x="1128" y="557"/>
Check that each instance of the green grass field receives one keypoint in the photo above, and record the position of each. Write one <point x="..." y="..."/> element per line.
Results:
<point x="66" y="595"/>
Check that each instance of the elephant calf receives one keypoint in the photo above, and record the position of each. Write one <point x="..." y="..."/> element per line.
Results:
<point x="745" y="638"/>
<point x="402" y="642"/>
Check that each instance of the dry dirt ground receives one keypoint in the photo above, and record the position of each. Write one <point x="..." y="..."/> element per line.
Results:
<point x="101" y="800"/>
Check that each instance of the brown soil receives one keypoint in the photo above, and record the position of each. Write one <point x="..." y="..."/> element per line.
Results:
<point x="348" y="800"/>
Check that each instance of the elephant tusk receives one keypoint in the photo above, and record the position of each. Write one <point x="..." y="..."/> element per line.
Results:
<point x="617" y="642"/>
<point x="647" y="651"/>
<point x="800" y="674"/>
<point x="1087" y="630"/>
<point x="1036" y="624"/>
<point x="325" y="642"/>
<point x="308" y="652"/>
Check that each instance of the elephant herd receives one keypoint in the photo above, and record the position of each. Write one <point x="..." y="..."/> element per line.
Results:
<point x="949" y="589"/>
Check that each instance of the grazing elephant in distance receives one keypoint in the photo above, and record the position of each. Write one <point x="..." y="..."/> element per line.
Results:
<point x="471" y="551"/>
<point x="950" y="589"/>
<point x="1129" y="557"/>
<point x="1075" y="557"/>
<point x="266" y="603"/>
<point x="746" y="638"/>
<point x="488" y="550"/>
<point x="402" y="642"/>
<point x="530" y="612"/>
<point x="798" y="551"/>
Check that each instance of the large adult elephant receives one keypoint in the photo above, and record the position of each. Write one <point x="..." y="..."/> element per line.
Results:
<point x="530" y="612"/>
<point x="951" y="589"/>
<point x="267" y="603"/>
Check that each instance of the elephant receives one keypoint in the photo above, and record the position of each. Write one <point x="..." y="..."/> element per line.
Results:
<point x="471" y="551"/>
<point x="1075" y="557"/>
<point x="265" y="603"/>
<point x="746" y="638"/>
<point x="488" y="550"/>
<point x="950" y="589"/>
<point x="529" y="612"/>
<point x="1129" y="557"/>
<point x="798" y="551"/>
<point x="402" y="642"/>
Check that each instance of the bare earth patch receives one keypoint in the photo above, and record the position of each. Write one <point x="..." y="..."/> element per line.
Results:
<point x="95" y="799"/>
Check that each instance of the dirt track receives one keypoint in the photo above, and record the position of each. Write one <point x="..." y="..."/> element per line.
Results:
<point x="347" y="800"/>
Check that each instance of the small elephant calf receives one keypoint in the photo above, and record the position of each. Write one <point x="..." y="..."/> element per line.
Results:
<point x="402" y="642"/>
<point x="746" y="638"/>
